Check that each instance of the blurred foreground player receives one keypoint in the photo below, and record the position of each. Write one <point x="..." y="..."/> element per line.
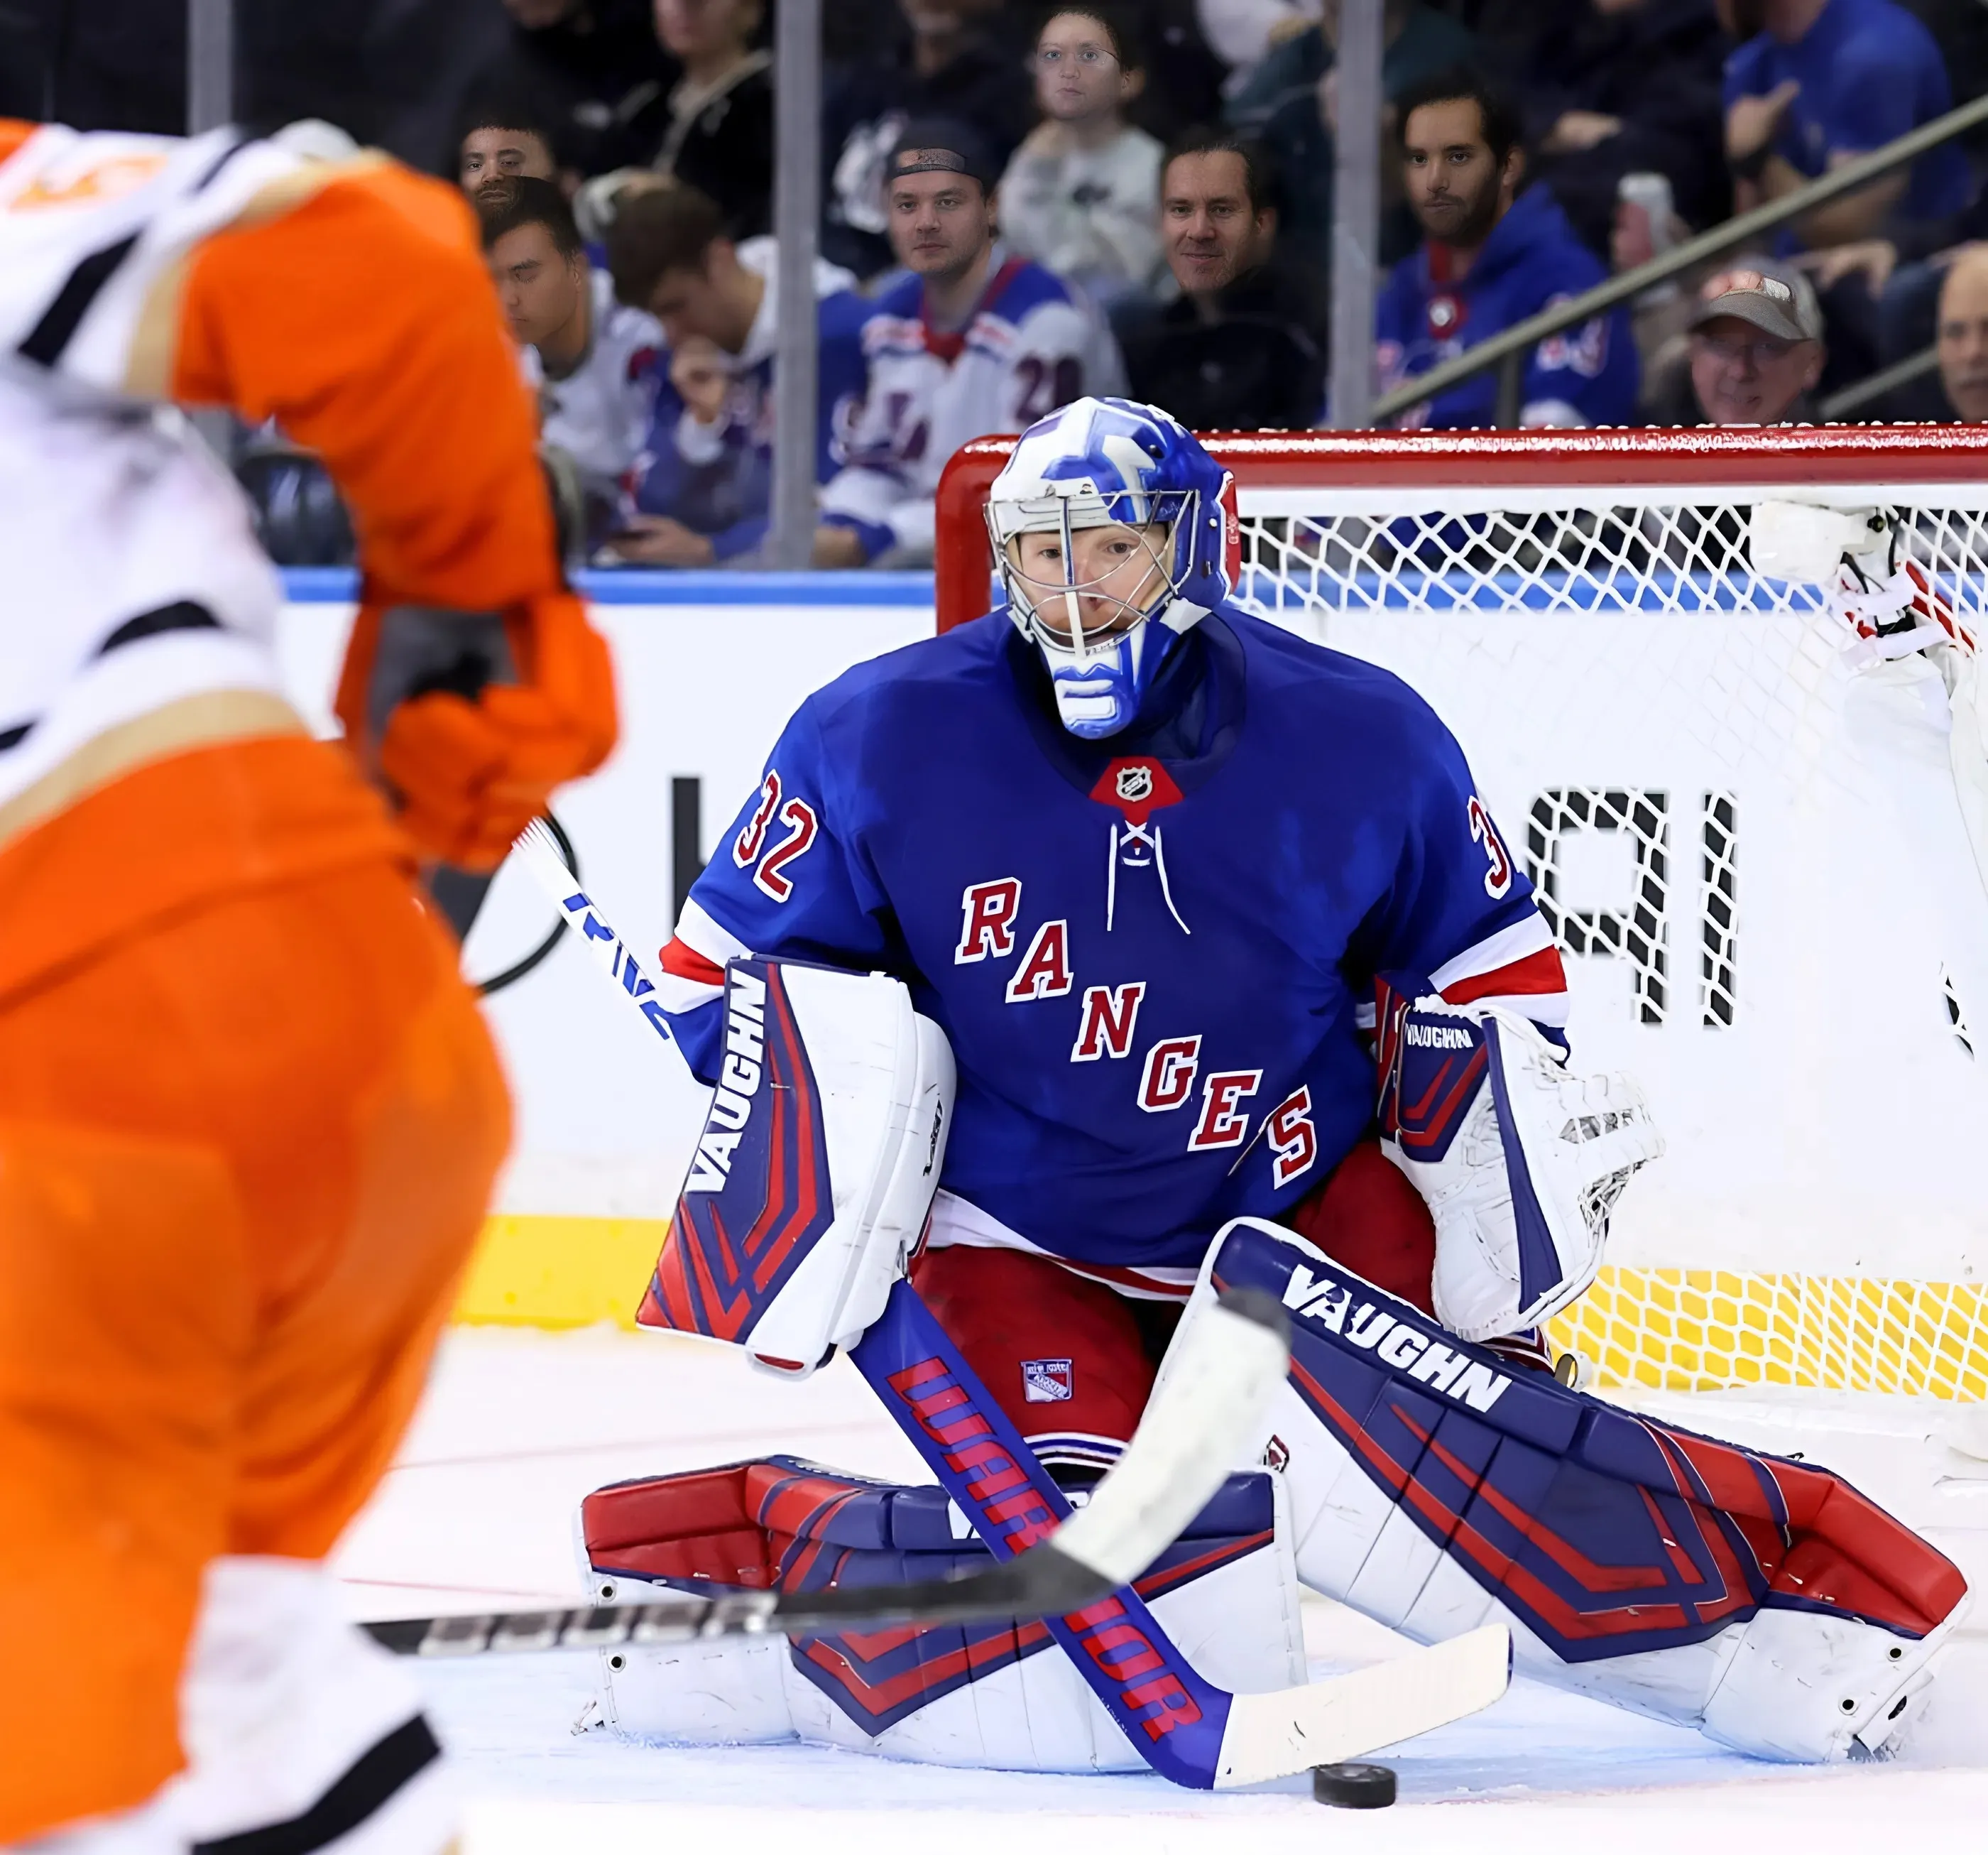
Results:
<point x="248" y="1113"/>
<point x="1298" y="1027"/>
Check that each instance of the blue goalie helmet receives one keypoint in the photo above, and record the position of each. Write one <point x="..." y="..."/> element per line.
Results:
<point x="1108" y="528"/>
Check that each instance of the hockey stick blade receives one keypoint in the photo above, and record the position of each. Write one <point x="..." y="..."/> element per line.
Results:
<point x="1180" y="1455"/>
<point x="1277" y="1735"/>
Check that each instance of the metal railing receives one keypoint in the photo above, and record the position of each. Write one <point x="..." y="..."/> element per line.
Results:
<point x="1841" y="404"/>
<point x="1507" y="351"/>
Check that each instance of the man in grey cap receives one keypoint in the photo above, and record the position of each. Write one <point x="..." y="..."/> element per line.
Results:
<point x="1757" y="350"/>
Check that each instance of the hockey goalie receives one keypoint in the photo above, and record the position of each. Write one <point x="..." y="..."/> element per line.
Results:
<point x="1300" y="1025"/>
<point x="249" y="1115"/>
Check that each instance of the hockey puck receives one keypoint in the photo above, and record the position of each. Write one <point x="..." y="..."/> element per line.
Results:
<point x="1353" y="1787"/>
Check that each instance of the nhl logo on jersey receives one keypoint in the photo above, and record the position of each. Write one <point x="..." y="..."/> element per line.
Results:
<point x="1134" y="783"/>
<point x="1045" y="1381"/>
<point x="1136" y="787"/>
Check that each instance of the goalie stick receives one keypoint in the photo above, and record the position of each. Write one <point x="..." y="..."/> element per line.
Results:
<point x="1172" y="1467"/>
<point x="1189" y="1730"/>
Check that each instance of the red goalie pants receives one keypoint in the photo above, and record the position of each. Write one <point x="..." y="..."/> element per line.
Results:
<point x="244" y="1153"/>
<point x="1072" y="1361"/>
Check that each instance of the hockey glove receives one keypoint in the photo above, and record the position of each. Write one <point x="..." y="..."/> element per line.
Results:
<point x="472" y="721"/>
<point x="1518" y="1160"/>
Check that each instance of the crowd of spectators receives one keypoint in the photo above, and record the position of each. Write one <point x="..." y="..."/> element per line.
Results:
<point x="1022" y="203"/>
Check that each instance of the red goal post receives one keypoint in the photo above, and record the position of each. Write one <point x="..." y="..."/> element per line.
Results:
<point x="1752" y="852"/>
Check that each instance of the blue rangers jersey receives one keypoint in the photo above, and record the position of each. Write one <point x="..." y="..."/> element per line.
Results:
<point x="1155" y="955"/>
<point x="1586" y="375"/>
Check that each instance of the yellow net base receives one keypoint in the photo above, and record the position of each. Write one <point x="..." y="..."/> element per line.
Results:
<point x="1707" y="1329"/>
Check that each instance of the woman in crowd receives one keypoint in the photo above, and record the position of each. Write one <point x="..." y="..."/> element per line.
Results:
<point x="1081" y="196"/>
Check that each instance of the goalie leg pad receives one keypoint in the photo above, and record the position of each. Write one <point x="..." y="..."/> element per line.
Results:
<point x="1435" y="1487"/>
<point x="1519" y="1160"/>
<point x="991" y="1694"/>
<point x="813" y="1176"/>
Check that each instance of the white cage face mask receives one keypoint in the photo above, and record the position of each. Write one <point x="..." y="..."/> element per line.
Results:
<point x="1090" y="579"/>
<point x="1085" y="582"/>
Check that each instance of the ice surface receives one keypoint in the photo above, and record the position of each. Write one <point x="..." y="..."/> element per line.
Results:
<point x="479" y="1512"/>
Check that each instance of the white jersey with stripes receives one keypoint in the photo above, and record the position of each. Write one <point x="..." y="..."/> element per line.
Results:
<point x="133" y="575"/>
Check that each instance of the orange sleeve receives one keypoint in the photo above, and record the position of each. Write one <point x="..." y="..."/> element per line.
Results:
<point x="363" y="321"/>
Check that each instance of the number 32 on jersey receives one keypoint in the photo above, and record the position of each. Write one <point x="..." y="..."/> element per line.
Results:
<point x="768" y="862"/>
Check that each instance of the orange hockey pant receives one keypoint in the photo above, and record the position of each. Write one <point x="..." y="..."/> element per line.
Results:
<point x="243" y="1157"/>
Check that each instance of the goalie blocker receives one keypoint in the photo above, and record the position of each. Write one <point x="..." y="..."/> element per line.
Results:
<point x="838" y="1096"/>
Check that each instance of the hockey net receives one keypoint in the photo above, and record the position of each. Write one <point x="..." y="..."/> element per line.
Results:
<point x="1752" y="852"/>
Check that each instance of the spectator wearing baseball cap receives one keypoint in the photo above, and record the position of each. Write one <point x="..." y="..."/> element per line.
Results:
<point x="973" y="338"/>
<point x="1756" y="347"/>
<point x="1751" y="353"/>
<point x="942" y="145"/>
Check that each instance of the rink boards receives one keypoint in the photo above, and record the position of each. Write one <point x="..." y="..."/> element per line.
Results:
<point x="710" y="666"/>
<point x="1824" y="1200"/>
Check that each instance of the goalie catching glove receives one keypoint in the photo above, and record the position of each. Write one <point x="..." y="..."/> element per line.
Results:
<point x="474" y="720"/>
<point x="1519" y="1161"/>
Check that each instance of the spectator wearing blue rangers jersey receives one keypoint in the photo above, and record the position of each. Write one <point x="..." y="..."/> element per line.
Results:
<point x="1494" y="255"/>
<point x="1818" y="82"/>
<point x="974" y="339"/>
<point x="705" y="494"/>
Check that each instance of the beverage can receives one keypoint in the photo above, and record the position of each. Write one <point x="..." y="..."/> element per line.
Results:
<point x="1645" y="221"/>
<point x="1651" y="194"/>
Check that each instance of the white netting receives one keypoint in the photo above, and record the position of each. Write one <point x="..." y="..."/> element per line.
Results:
<point x="1559" y="552"/>
<point x="1754" y="855"/>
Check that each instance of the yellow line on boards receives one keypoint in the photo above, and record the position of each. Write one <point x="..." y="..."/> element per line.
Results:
<point x="548" y="1271"/>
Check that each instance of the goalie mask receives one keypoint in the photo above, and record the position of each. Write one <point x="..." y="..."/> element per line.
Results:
<point x="1108" y="528"/>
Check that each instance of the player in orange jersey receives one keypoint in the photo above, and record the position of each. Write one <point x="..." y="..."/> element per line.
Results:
<point x="249" y="1115"/>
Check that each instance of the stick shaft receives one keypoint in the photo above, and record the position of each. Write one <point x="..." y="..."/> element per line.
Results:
<point x="1044" y="1582"/>
<point x="599" y="942"/>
